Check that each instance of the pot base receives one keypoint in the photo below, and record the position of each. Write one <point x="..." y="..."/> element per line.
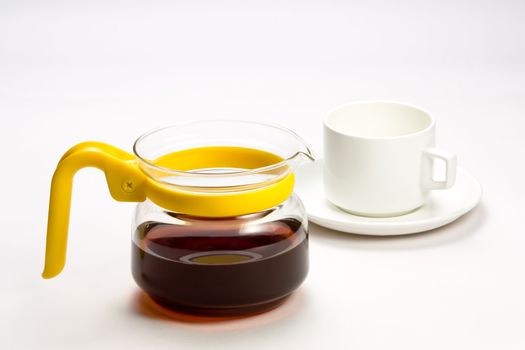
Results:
<point x="244" y="310"/>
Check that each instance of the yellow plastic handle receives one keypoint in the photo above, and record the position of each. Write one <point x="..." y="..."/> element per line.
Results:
<point x="125" y="181"/>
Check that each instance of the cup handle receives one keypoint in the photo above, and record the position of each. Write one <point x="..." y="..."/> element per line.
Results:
<point x="125" y="181"/>
<point x="451" y="161"/>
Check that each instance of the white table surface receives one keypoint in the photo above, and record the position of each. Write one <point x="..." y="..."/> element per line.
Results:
<point x="109" y="70"/>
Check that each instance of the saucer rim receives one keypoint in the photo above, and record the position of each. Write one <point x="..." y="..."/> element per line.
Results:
<point x="398" y="227"/>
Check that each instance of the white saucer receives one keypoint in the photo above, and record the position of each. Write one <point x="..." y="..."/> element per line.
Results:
<point x="441" y="208"/>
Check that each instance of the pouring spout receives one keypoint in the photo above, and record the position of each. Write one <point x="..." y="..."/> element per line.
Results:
<point x="299" y="159"/>
<point x="307" y="156"/>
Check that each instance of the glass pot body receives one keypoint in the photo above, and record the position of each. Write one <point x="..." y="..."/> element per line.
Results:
<point x="242" y="255"/>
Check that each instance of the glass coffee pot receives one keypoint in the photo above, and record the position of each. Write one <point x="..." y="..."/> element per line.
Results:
<point x="217" y="228"/>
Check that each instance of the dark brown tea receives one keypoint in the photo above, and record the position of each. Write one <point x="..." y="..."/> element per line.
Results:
<point x="220" y="266"/>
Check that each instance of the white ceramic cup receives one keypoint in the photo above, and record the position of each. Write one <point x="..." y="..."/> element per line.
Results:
<point x="379" y="158"/>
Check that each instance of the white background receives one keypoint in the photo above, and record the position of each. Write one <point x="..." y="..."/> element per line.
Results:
<point x="109" y="70"/>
